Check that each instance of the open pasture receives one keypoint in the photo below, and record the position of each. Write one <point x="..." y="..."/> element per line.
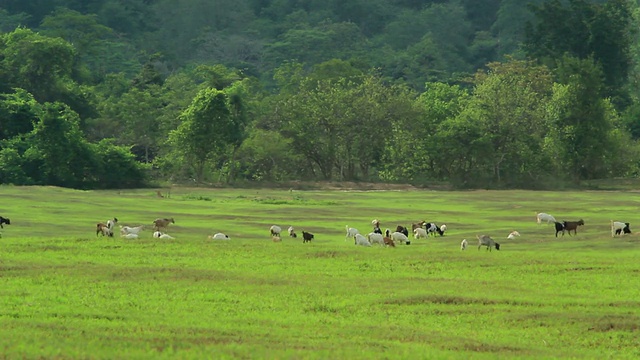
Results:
<point x="66" y="293"/>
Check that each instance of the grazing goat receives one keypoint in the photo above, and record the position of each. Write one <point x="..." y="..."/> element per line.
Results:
<point x="124" y="230"/>
<point x="291" y="232"/>
<point x="162" y="223"/>
<point x="359" y="239"/>
<point x="219" y="236"/>
<point x="276" y="238"/>
<point x="540" y="217"/>
<point x="403" y="230"/>
<point x="432" y="229"/>
<point x="400" y="237"/>
<point x="389" y="241"/>
<point x="417" y="225"/>
<point x="351" y="232"/>
<point x="513" y="234"/>
<point x="463" y="244"/>
<point x="618" y="228"/>
<point x="485" y="240"/>
<point x="130" y="236"/>
<point x="4" y="220"/>
<point x="275" y="230"/>
<point x="106" y="229"/>
<point x="559" y="228"/>
<point x="306" y="237"/>
<point x="161" y="235"/>
<point x="375" y="238"/>
<point x="420" y="233"/>
<point x="572" y="225"/>
<point x="443" y="228"/>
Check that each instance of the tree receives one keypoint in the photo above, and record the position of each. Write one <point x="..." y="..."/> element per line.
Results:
<point x="508" y="106"/>
<point x="581" y="142"/>
<point x="207" y="127"/>
<point x="39" y="64"/>
<point x="585" y="30"/>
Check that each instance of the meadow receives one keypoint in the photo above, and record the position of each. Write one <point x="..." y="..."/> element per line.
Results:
<point x="67" y="294"/>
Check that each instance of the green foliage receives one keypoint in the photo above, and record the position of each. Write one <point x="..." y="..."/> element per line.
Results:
<point x="18" y="113"/>
<point x="207" y="128"/>
<point x="584" y="30"/>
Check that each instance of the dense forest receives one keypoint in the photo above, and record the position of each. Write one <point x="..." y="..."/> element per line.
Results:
<point x="473" y="93"/>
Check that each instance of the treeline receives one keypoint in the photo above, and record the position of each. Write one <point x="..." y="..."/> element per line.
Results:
<point x="476" y="93"/>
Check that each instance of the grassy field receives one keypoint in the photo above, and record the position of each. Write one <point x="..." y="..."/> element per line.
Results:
<point x="67" y="294"/>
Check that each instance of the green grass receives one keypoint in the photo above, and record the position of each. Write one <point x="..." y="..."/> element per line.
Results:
<point x="65" y="293"/>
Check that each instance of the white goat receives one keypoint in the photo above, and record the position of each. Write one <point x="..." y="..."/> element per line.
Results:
<point x="361" y="240"/>
<point x="375" y="238"/>
<point x="443" y="228"/>
<point x="618" y="227"/>
<point x="420" y="233"/>
<point x="275" y="230"/>
<point x="513" y="234"/>
<point x="540" y="217"/>
<point x="291" y="232"/>
<point x="400" y="237"/>
<point x="124" y="230"/>
<point x="351" y="232"/>
<point x="463" y="244"/>
<point x="130" y="236"/>
<point x="219" y="236"/>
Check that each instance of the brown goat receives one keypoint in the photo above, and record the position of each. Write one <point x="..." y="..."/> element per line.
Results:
<point x="572" y="225"/>
<point x="418" y="225"/>
<point x="162" y="223"/>
<point x="389" y="241"/>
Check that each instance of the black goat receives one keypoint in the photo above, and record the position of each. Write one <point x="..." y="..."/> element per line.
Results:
<point x="4" y="220"/>
<point x="559" y="228"/>
<point x="306" y="237"/>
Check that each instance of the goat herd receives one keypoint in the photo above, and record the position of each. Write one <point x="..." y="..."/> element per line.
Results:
<point x="422" y="229"/>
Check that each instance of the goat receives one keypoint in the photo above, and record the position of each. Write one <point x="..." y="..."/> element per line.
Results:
<point x="306" y="237"/>
<point x="485" y="240"/>
<point x="124" y="230"/>
<point x="375" y="238"/>
<point x="618" y="228"/>
<point x="219" y="236"/>
<point x="400" y="237"/>
<point x="4" y="220"/>
<point x="559" y="228"/>
<point x="102" y="228"/>
<point x="540" y="217"/>
<point x="432" y="229"/>
<point x="161" y="235"/>
<point x="403" y="230"/>
<point x="417" y="225"/>
<point x="276" y="238"/>
<point x="351" y="232"/>
<point x="291" y="232"/>
<point x="130" y="236"/>
<point x="443" y="228"/>
<point x="420" y="233"/>
<point x="359" y="239"/>
<point x="275" y="230"/>
<point x="162" y="223"/>
<point x="389" y="241"/>
<point x="112" y="223"/>
<point x="513" y="234"/>
<point x="572" y="225"/>
<point x="463" y="244"/>
<point x="375" y="223"/>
